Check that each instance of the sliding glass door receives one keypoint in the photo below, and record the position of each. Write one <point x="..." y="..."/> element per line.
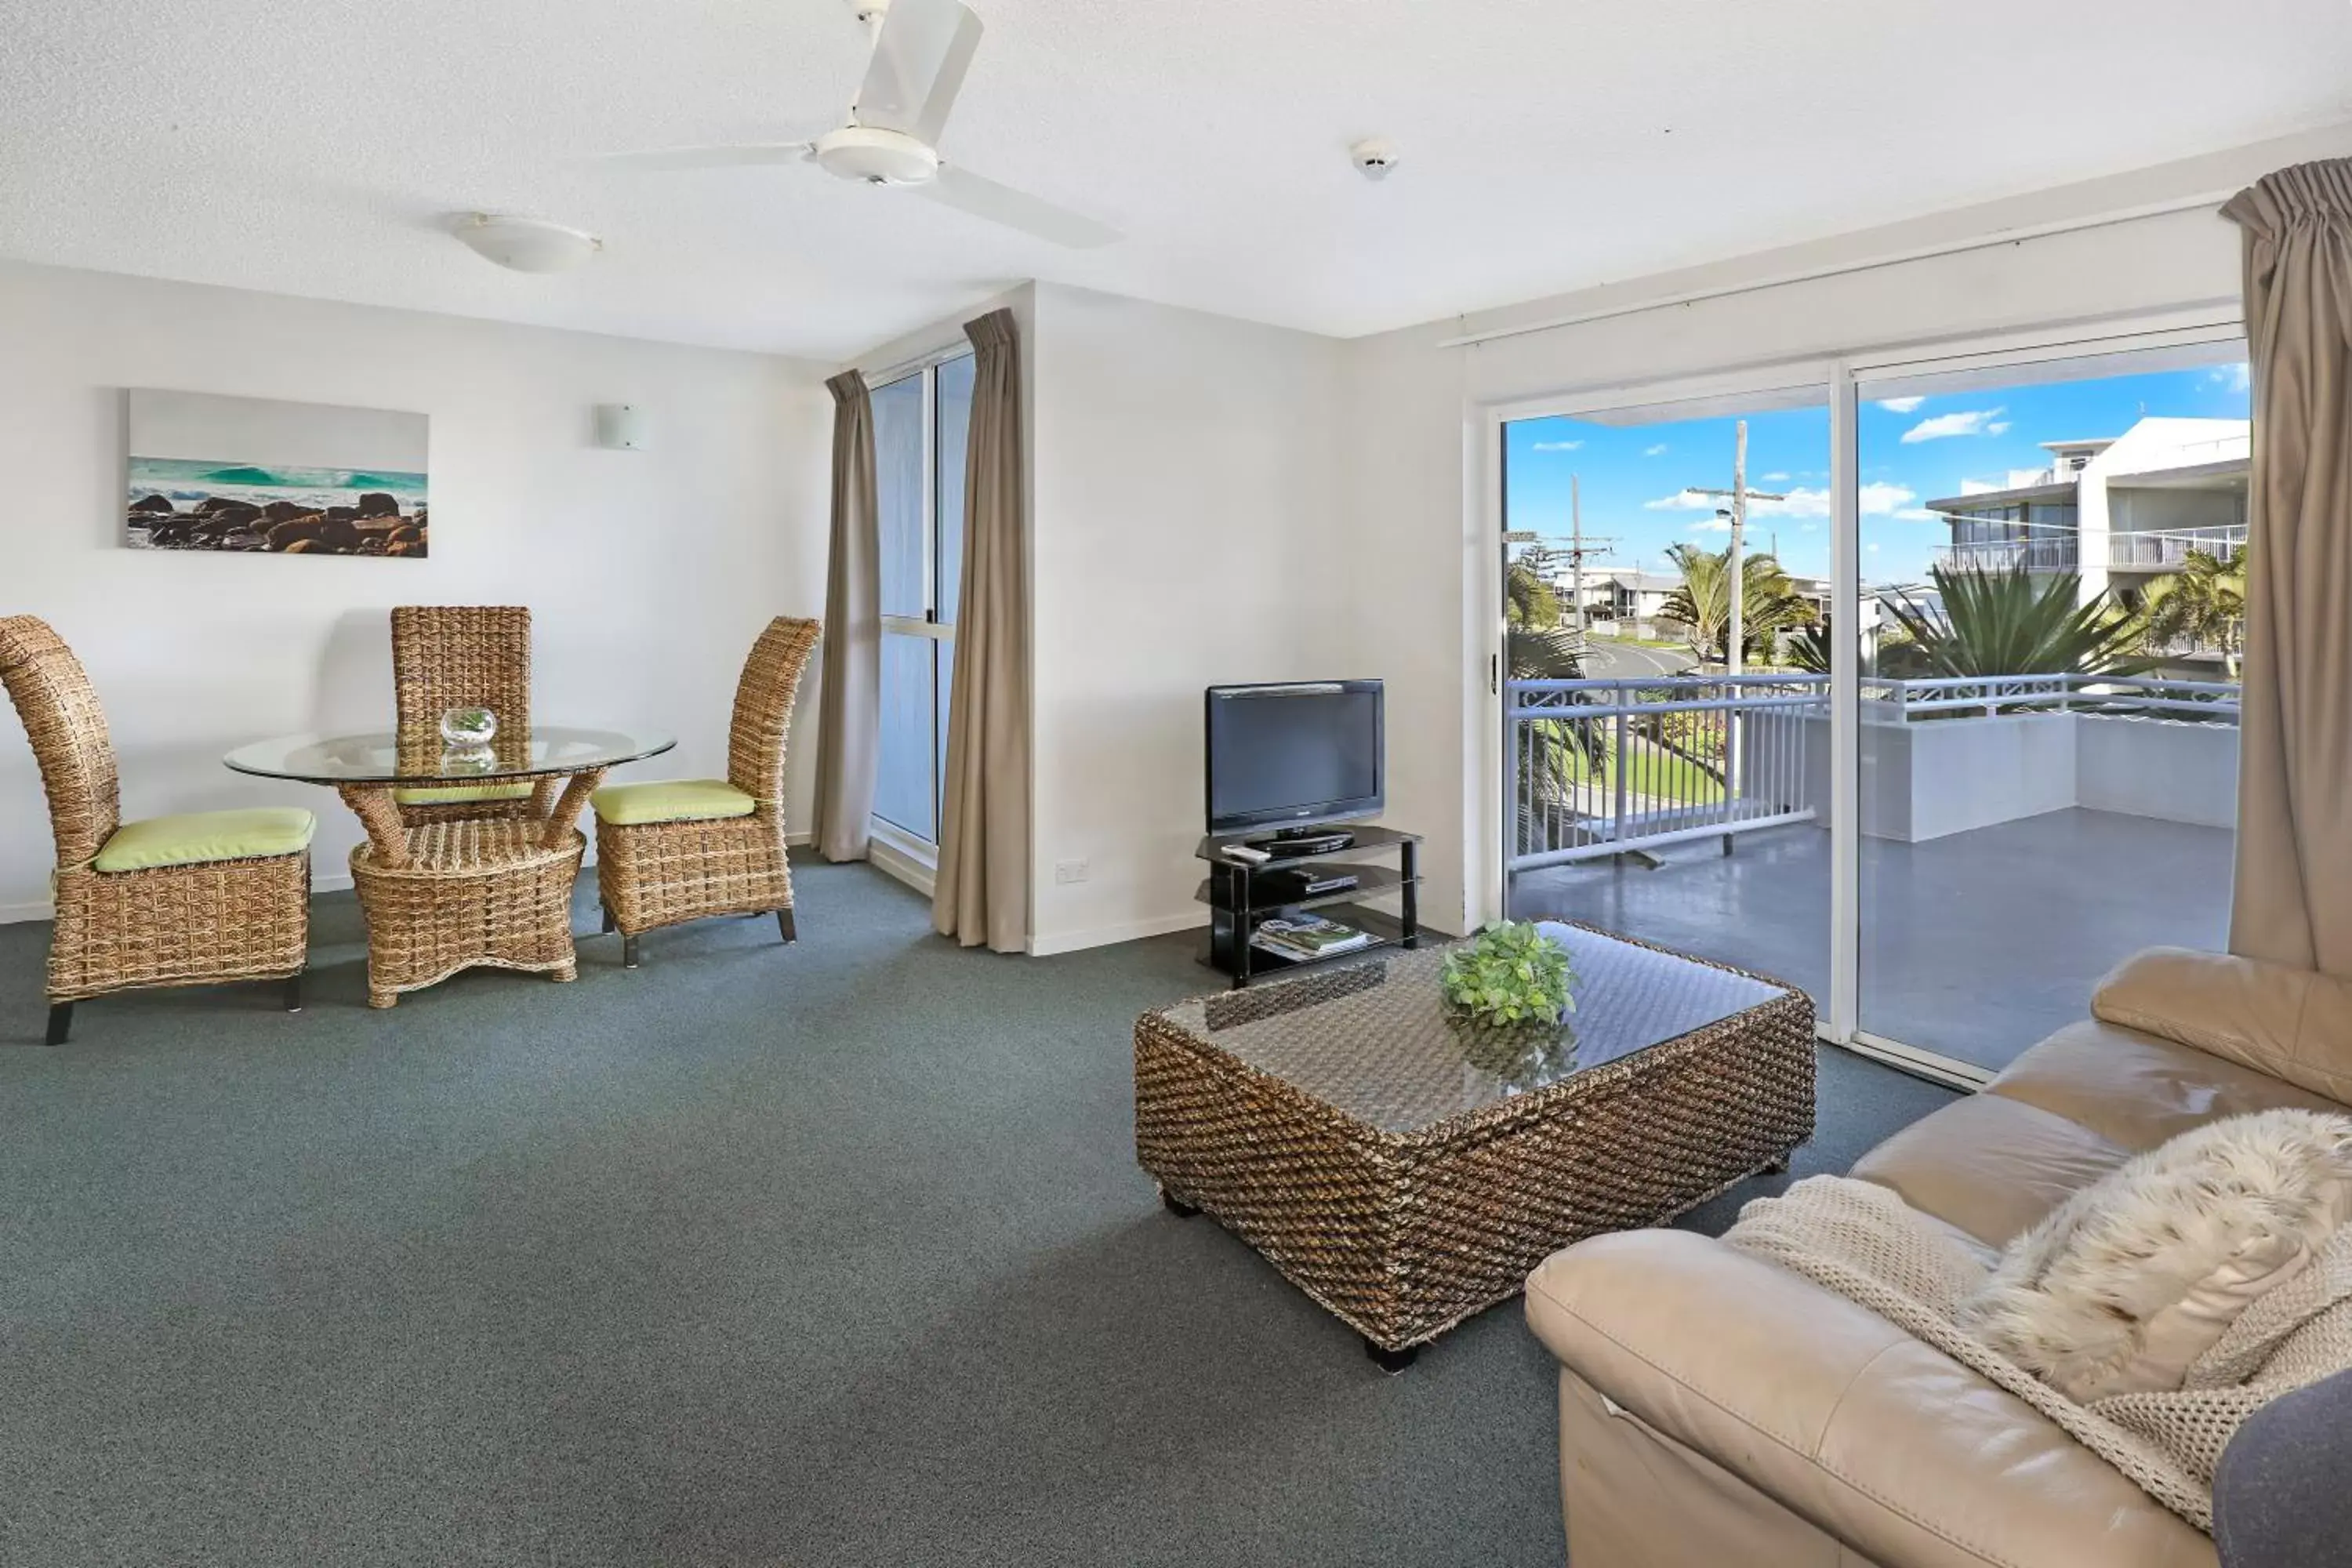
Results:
<point x="1975" y="739"/>
<point x="2050" y="563"/>
<point x="1666" y="572"/>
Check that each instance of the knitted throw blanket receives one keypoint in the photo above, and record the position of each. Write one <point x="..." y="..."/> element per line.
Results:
<point x="1862" y="1242"/>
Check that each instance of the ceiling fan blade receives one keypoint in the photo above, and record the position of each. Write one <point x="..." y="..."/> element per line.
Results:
<point x="967" y="192"/>
<point x="919" y="58"/>
<point x="669" y="158"/>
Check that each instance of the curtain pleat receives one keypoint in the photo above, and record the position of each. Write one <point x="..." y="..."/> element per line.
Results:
<point x="2293" y="898"/>
<point x="849" y="702"/>
<point x="982" y="890"/>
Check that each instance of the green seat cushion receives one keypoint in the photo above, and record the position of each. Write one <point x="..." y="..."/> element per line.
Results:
<point x="455" y="795"/>
<point x="202" y="835"/>
<point x="670" y="800"/>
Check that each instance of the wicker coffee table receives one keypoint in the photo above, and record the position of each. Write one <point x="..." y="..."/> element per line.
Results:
<point x="1407" y="1170"/>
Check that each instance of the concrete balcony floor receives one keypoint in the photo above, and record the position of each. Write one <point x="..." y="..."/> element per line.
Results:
<point x="1975" y="945"/>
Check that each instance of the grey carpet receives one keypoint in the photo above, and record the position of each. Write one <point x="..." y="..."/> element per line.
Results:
<point x="834" y="1254"/>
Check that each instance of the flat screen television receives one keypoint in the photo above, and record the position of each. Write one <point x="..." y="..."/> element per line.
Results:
<point x="1290" y="753"/>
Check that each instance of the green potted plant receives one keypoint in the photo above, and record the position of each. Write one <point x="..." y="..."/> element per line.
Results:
<point x="1509" y="973"/>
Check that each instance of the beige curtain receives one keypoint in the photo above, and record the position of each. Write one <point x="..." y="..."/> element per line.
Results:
<point x="981" y="893"/>
<point x="2292" y="902"/>
<point x="850" y="701"/>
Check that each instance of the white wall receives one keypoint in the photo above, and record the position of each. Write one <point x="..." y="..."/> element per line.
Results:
<point x="2152" y="767"/>
<point x="1414" y="476"/>
<point x="1181" y="506"/>
<point x="1187" y="530"/>
<point x="648" y="573"/>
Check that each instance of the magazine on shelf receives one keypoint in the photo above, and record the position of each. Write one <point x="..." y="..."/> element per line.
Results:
<point x="1309" y="936"/>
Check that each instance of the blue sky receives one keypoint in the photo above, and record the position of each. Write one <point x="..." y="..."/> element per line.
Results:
<point x="1913" y="450"/>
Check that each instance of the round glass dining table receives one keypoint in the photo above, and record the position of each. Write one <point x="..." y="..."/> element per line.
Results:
<point x="565" y="764"/>
<point x="459" y="882"/>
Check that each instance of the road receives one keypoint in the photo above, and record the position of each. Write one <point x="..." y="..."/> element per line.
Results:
<point x="1608" y="660"/>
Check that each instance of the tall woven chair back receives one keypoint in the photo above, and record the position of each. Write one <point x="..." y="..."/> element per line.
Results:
<point x="763" y="707"/>
<point x="461" y="656"/>
<point x="60" y="711"/>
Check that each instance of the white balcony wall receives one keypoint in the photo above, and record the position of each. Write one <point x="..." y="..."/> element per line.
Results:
<point x="2153" y="767"/>
<point x="1932" y="778"/>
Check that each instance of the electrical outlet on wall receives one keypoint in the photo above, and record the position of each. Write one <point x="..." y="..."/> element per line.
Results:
<point x="1070" y="870"/>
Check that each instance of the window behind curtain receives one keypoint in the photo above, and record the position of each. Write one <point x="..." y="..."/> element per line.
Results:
<point x="920" y="424"/>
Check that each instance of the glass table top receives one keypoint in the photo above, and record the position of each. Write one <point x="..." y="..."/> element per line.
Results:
<point x="1378" y="1041"/>
<point x="420" y="756"/>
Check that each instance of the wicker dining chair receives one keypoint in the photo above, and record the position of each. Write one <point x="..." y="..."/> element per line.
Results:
<point x="193" y="899"/>
<point x="686" y="850"/>
<point x="461" y="656"/>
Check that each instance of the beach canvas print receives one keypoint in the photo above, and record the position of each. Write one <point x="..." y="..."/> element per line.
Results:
<point x="208" y="472"/>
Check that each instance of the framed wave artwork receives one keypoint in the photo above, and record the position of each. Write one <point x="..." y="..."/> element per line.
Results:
<point x="251" y="474"/>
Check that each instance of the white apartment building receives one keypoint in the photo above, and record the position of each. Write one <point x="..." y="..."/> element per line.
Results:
<point x="2120" y="512"/>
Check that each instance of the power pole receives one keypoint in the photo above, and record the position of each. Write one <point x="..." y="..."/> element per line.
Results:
<point x="1736" y="569"/>
<point x="1576" y="549"/>
<point x="1735" y="563"/>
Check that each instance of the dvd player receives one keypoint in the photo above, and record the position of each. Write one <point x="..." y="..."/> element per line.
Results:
<point x="1300" y="884"/>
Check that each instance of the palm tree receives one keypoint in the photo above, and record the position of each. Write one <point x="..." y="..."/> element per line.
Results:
<point x="1769" y="603"/>
<point x="2205" y="604"/>
<point x="1553" y="752"/>
<point x="1528" y="599"/>
<point x="1808" y="650"/>
<point x="1991" y="622"/>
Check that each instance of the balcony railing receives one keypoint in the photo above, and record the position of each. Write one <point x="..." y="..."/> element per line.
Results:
<point x="2168" y="551"/>
<point x="1605" y="767"/>
<point x="2055" y="553"/>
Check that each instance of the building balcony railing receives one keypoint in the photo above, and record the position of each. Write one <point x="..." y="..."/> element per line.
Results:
<point x="2168" y="551"/>
<point x="2051" y="555"/>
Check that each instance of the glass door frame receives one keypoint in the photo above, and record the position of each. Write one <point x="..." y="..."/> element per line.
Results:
<point x="1839" y="375"/>
<point x="936" y="624"/>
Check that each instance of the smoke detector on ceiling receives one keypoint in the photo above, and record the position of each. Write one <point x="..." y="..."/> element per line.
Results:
<point x="1374" y="156"/>
<point x="526" y="244"/>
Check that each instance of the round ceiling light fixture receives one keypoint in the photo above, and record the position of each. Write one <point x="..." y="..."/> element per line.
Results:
<point x="526" y="244"/>
<point x="876" y="157"/>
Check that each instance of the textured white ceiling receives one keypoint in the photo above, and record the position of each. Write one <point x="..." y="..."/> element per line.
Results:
<point x="314" y="148"/>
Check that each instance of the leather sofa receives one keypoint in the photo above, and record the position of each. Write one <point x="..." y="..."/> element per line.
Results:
<point x="1715" y="1409"/>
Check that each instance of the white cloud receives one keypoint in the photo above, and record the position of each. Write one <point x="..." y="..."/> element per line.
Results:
<point x="1681" y="500"/>
<point x="1966" y="422"/>
<point x="1879" y="498"/>
<point x="1808" y="527"/>
<point x="2232" y="377"/>
<point x="1711" y="525"/>
<point x="1998" y="427"/>
<point x="1901" y="404"/>
<point x="1776" y="478"/>
<point x="1657" y="451"/>
<point x="1557" y="446"/>
<point x="1873" y="548"/>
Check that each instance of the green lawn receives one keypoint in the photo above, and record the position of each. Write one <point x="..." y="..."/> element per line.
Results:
<point x="1655" y="772"/>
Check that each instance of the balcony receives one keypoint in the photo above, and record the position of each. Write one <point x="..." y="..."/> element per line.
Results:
<point x="2021" y="836"/>
<point x="2168" y="551"/>
<point x="2056" y="552"/>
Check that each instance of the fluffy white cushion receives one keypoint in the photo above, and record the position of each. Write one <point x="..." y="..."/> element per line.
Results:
<point x="2124" y="1285"/>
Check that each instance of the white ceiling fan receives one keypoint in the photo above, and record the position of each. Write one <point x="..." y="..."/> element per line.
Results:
<point x="922" y="50"/>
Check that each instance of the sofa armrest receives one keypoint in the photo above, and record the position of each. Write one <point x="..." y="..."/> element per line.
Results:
<point x="2293" y="1023"/>
<point x="1892" y="1448"/>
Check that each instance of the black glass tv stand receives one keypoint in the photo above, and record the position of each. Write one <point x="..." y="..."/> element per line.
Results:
<point x="1242" y="894"/>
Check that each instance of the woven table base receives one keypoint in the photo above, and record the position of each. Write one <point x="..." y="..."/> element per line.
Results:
<point x="1403" y="1234"/>
<point x="472" y="893"/>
